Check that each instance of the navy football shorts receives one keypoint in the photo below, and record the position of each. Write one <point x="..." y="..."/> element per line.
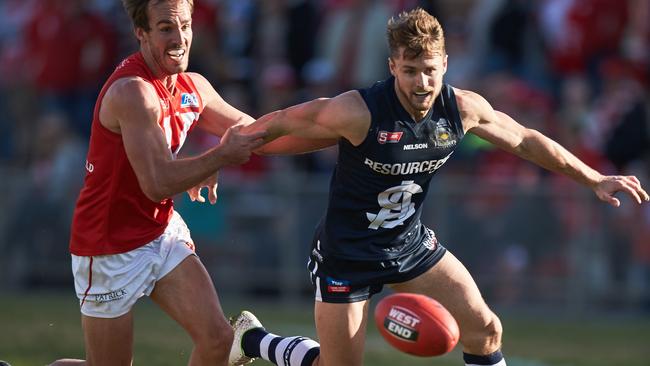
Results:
<point x="344" y="281"/>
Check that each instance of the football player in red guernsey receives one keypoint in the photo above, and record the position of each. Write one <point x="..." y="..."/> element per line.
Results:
<point x="127" y="241"/>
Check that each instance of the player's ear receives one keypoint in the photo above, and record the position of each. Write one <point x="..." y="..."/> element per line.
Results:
<point x="391" y="65"/>
<point x="139" y="33"/>
<point x="444" y="63"/>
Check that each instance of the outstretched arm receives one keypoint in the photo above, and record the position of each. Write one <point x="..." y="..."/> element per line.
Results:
<point x="314" y="125"/>
<point x="500" y="129"/>
<point x="218" y="115"/>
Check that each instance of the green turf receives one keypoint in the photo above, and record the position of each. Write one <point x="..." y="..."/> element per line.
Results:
<point x="36" y="329"/>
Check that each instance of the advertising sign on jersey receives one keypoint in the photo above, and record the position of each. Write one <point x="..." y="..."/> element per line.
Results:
<point x="189" y="100"/>
<point x="389" y="137"/>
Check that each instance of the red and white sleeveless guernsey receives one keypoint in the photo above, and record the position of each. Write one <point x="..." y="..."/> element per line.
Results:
<point x="112" y="214"/>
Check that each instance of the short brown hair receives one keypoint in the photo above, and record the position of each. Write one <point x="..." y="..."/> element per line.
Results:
<point x="417" y="31"/>
<point x="137" y="11"/>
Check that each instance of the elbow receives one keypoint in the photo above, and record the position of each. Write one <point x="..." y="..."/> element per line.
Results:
<point x="154" y="195"/>
<point x="154" y="191"/>
<point x="158" y="197"/>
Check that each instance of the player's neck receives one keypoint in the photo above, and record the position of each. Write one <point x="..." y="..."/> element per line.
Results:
<point x="170" y="82"/>
<point x="417" y="115"/>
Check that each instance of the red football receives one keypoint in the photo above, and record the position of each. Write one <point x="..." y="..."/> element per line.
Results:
<point x="416" y="324"/>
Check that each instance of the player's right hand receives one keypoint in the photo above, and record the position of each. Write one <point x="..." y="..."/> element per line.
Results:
<point x="211" y="183"/>
<point x="236" y="147"/>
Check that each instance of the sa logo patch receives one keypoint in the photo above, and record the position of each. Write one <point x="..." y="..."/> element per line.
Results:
<point x="389" y="137"/>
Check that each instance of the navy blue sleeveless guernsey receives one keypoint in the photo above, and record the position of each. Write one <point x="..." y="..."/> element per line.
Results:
<point x="377" y="188"/>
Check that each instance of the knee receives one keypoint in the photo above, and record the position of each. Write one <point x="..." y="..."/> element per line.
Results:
<point x="217" y="340"/>
<point x="485" y="338"/>
<point x="493" y="333"/>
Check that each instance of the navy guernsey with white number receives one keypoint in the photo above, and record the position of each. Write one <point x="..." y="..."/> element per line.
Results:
<point x="377" y="188"/>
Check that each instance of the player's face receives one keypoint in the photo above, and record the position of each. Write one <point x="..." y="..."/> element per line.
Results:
<point x="166" y="46"/>
<point x="418" y="81"/>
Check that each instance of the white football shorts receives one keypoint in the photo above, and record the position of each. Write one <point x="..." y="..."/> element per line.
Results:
<point x="109" y="285"/>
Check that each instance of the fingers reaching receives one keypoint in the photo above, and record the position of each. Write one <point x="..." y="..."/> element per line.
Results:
<point x="632" y="187"/>
<point x="636" y="185"/>
<point x="210" y="183"/>
<point x="212" y="188"/>
<point x="192" y="193"/>
<point x="613" y="201"/>
<point x="199" y="196"/>
<point x="629" y="185"/>
<point x="212" y="194"/>
<point x="195" y="194"/>
<point x="627" y="188"/>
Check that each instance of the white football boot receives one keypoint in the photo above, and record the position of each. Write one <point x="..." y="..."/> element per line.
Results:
<point x="241" y="324"/>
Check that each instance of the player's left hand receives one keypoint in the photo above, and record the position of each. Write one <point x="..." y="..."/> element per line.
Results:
<point x="211" y="184"/>
<point x="611" y="184"/>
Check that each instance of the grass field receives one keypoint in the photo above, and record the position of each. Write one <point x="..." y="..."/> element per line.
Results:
<point x="38" y="328"/>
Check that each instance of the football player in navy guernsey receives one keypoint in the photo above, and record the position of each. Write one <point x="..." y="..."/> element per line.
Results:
<point x="392" y="138"/>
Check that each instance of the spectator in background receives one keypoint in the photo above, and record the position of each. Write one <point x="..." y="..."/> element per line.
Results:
<point x="236" y="35"/>
<point x="53" y="177"/>
<point x="69" y="50"/>
<point x="17" y="122"/>
<point x="351" y="38"/>
<point x="514" y="44"/>
<point x="205" y="25"/>
<point x="303" y="22"/>
<point x="627" y="136"/>
<point x="580" y="33"/>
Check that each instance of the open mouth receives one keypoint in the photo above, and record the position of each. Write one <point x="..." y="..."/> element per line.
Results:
<point x="423" y="94"/>
<point x="176" y="54"/>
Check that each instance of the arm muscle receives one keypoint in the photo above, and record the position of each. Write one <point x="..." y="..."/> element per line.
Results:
<point x="132" y="106"/>
<point x="315" y="124"/>
<point x="500" y="129"/>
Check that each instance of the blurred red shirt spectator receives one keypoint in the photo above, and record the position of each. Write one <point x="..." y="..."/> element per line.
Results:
<point x="68" y="47"/>
<point x="580" y="30"/>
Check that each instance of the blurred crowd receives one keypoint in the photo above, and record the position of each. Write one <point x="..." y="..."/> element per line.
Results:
<point x="577" y="70"/>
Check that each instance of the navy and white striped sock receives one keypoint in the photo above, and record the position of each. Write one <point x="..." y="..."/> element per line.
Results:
<point x="493" y="359"/>
<point x="282" y="351"/>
